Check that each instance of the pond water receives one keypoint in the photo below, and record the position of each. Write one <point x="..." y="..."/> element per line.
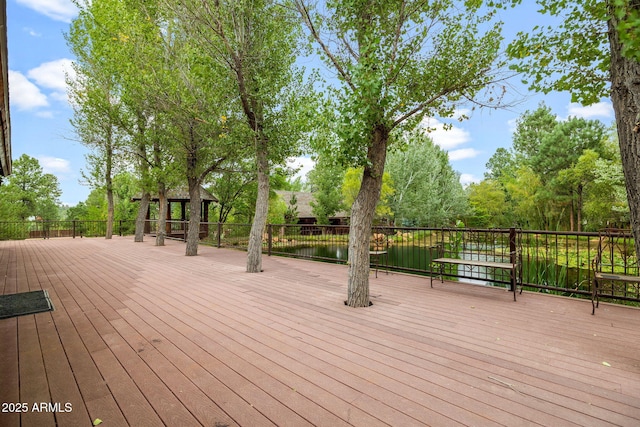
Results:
<point x="416" y="259"/>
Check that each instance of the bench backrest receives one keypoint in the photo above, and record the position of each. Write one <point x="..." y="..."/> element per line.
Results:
<point x="616" y="253"/>
<point x="499" y="245"/>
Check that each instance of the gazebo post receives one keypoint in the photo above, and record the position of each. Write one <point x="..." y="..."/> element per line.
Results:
<point x="205" y="211"/>
<point x="183" y="213"/>
<point x="168" y="224"/>
<point x="147" y="223"/>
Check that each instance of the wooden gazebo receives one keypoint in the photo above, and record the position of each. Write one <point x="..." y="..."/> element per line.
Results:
<point x="177" y="229"/>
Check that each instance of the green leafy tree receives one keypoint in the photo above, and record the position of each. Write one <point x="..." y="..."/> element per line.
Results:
<point x="487" y="202"/>
<point x="544" y="148"/>
<point x="558" y="156"/>
<point x="325" y="181"/>
<point x="606" y="200"/>
<point x="78" y="212"/>
<point x="256" y="43"/>
<point x="501" y="164"/>
<point x="396" y="62"/>
<point x="592" y="53"/>
<point x="29" y="192"/>
<point x="351" y="184"/>
<point x="427" y="191"/>
<point x="232" y="186"/>
<point x="95" y="92"/>
<point x="531" y="129"/>
<point x="291" y="214"/>
<point x="524" y="201"/>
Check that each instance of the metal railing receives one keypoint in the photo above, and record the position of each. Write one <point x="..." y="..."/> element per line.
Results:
<point x="20" y="230"/>
<point x="552" y="262"/>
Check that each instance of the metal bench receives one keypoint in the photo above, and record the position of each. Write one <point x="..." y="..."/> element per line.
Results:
<point x="615" y="264"/>
<point x="511" y="260"/>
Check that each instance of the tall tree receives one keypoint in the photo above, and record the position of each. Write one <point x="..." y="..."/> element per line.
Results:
<point x="256" y="42"/>
<point x="191" y="105"/>
<point x="325" y="183"/>
<point x="105" y="69"/>
<point x="487" y="202"/>
<point x="592" y="54"/>
<point x="29" y="192"/>
<point x="427" y="191"/>
<point x="94" y="95"/>
<point x="396" y="62"/>
<point x="231" y="185"/>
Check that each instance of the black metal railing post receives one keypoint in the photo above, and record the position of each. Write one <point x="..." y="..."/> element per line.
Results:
<point x="269" y="236"/>
<point x="513" y="248"/>
<point x="219" y="234"/>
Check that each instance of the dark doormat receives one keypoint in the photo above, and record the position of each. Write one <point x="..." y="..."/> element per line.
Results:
<point x="13" y="305"/>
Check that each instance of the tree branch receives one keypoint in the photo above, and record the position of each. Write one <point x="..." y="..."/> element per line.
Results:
<point x="421" y="106"/>
<point x="306" y="17"/>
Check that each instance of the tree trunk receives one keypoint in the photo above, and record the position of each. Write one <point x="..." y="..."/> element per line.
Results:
<point x="625" y="95"/>
<point x="143" y="168"/>
<point x="254" y="251"/>
<point x="362" y="213"/>
<point x="193" y="234"/>
<point x="109" y="184"/>
<point x="580" y="203"/>
<point x="110" y="211"/>
<point x="162" y="214"/>
<point x="571" y="215"/>
<point x="142" y="216"/>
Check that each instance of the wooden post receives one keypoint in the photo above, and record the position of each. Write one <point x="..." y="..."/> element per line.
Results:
<point x="183" y="217"/>
<point x="205" y="209"/>
<point x="219" y="234"/>
<point x="147" y="222"/>
<point x="167" y="226"/>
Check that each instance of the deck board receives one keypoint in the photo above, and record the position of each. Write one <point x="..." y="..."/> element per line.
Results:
<point x="142" y="335"/>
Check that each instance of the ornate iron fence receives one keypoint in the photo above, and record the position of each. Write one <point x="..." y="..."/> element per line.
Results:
<point x="553" y="262"/>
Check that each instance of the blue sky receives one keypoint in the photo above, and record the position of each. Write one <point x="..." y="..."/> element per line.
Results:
<point x="40" y="113"/>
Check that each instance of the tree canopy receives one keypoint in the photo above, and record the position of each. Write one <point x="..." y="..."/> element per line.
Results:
<point x="29" y="192"/>
<point x="396" y="63"/>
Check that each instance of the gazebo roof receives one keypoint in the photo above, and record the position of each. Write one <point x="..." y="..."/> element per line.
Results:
<point x="180" y="195"/>
<point x="304" y="199"/>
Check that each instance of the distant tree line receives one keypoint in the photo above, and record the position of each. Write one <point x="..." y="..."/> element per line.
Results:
<point x="558" y="175"/>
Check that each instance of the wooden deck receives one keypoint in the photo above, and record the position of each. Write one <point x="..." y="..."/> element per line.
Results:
<point x="144" y="336"/>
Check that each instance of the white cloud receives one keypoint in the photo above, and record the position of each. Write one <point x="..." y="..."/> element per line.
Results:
<point x="467" y="178"/>
<point x="463" y="153"/>
<point x="54" y="164"/>
<point x="304" y="164"/>
<point x="445" y="138"/>
<point x="45" y="114"/>
<point x="59" y="10"/>
<point x="52" y="75"/>
<point x="601" y="109"/>
<point x="24" y="95"/>
<point x="32" y="32"/>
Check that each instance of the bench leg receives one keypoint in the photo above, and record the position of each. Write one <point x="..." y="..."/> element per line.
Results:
<point x="595" y="302"/>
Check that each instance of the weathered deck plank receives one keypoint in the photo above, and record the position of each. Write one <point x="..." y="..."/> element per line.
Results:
<point x="142" y="335"/>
